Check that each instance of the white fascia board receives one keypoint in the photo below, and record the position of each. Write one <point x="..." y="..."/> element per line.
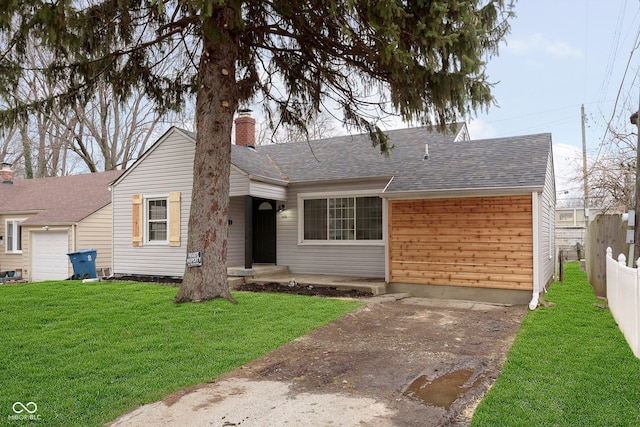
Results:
<point x="267" y="180"/>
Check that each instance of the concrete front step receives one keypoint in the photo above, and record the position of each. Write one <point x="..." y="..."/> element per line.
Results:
<point x="262" y="274"/>
<point x="235" y="282"/>
<point x="257" y="270"/>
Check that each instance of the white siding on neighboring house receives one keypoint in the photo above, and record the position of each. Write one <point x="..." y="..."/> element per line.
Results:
<point x="167" y="167"/>
<point x="350" y="259"/>
<point x="95" y="232"/>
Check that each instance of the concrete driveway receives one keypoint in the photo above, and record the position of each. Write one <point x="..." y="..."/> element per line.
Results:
<point x="393" y="362"/>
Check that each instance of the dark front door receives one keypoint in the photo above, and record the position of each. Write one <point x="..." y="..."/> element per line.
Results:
<point x="264" y="232"/>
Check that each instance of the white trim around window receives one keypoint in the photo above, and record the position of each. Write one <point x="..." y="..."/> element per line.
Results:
<point x="156" y="219"/>
<point x="340" y="225"/>
<point x="13" y="236"/>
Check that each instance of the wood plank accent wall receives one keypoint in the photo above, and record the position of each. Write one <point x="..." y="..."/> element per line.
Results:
<point x="484" y="242"/>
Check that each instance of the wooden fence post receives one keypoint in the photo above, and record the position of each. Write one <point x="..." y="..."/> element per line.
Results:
<point x="561" y="266"/>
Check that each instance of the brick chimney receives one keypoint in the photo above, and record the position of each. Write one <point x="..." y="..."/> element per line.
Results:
<point x="6" y="174"/>
<point x="245" y="129"/>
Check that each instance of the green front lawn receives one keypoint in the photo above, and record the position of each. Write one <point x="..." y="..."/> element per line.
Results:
<point x="569" y="366"/>
<point x="86" y="353"/>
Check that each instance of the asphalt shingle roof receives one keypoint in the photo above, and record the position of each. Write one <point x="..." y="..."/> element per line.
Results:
<point x="350" y="156"/>
<point x="453" y="165"/>
<point x="478" y="164"/>
<point x="255" y="162"/>
<point x="64" y="199"/>
<point x="511" y="162"/>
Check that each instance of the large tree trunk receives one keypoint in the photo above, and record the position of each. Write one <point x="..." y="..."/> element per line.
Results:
<point x="215" y="106"/>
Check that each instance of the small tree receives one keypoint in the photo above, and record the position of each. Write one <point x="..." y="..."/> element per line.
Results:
<point x="109" y="135"/>
<point x="424" y="60"/>
<point x="611" y="175"/>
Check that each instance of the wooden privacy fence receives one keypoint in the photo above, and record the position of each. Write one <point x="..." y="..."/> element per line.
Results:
<point x="623" y="296"/>
<point x="605" y="231"/>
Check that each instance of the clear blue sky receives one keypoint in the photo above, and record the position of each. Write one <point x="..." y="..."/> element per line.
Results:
<point x="559" y="55"/>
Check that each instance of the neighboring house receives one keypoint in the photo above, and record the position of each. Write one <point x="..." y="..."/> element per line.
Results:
<point x="571" y="233"/>
<point x="470" y="219"/>
<point x="41" y="220"/>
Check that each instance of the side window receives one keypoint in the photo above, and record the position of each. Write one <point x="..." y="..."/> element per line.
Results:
<point x="157" y="220"/>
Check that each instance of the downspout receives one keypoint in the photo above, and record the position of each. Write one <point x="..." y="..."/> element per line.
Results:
<point x="385" y="237"/>
<point x="385" y="233"/>
<point x="113" y="222"/>
<point x="536" y="250"/>
<point x="74" y="231"/>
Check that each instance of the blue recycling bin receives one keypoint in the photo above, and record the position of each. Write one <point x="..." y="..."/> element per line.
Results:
<point x="84" y="264"/>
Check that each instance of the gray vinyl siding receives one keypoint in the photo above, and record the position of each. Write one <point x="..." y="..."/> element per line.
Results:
<point x="360" y="260"/>
<point x="241" y="184"/>
<point x="238" y="182"/>
<point x="167" y="167"/>
<point x="268" y="191"/>
<point x="547" y="226"/>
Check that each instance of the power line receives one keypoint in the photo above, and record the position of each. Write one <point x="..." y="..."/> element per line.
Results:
<point x="620" y="86"/>
<point x="613" y="54"/>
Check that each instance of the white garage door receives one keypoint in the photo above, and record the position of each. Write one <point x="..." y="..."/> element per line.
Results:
<point x="49" y="260"/>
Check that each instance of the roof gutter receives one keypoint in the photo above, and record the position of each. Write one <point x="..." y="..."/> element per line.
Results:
<point x="31" y="212"/>
<point x="384" y="179"/>
<point x="461" y="192"/>
<point x="39" y="223"/>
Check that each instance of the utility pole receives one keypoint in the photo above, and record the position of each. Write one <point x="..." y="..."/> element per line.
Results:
<point x="584" y="171"/>
<point x="586" y="185"/>
<point x="636" y="229"/>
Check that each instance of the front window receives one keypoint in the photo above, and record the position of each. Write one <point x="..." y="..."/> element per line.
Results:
<point x="157" y="220"/>
<point x="343" y="219"/>
<point x="14" y="236"/>
<point x="315" y="219"/>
